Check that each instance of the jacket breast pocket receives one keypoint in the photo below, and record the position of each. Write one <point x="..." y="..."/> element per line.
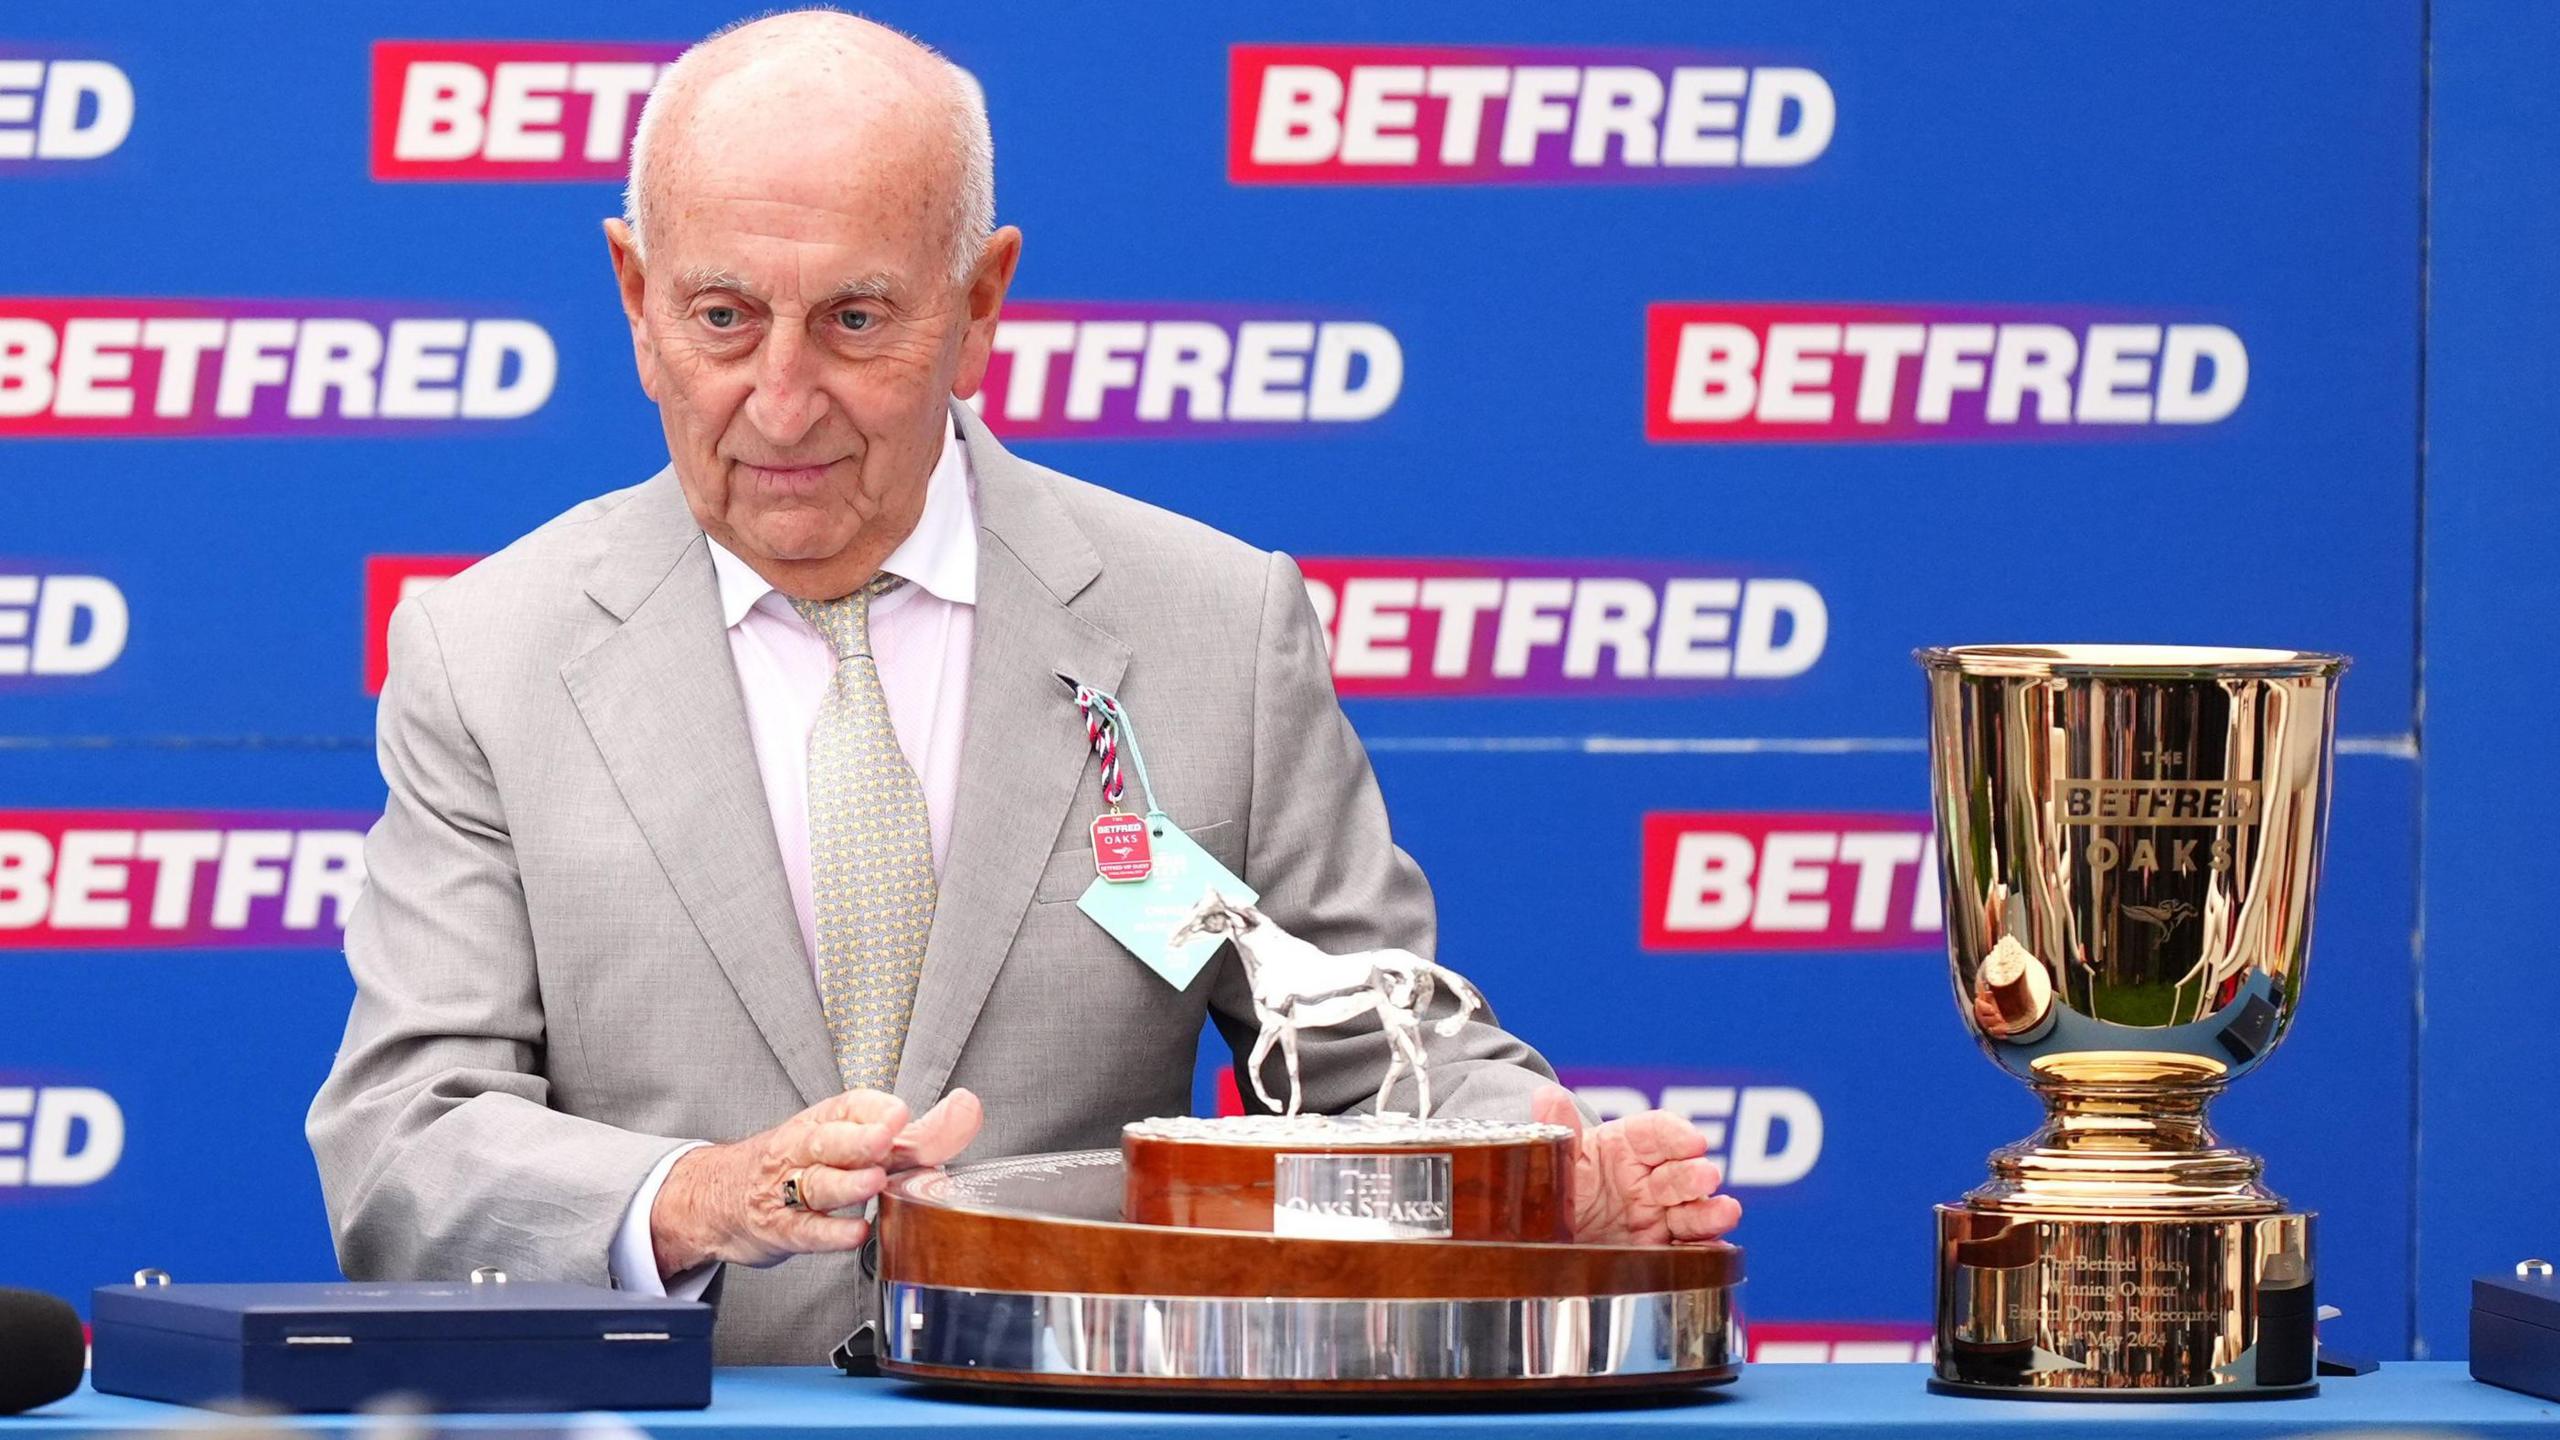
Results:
<point x="1070" y="870"/>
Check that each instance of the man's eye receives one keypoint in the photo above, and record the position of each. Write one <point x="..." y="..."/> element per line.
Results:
<point x="720" y="317"/>
<point x="856" y="319"/>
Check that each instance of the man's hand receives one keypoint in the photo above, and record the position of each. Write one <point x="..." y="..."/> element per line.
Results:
<point x="724" y="1202"/>
<point x="1644" y="1180"/>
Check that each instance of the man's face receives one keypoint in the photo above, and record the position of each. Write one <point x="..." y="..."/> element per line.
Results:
<point x="797" y="322"/>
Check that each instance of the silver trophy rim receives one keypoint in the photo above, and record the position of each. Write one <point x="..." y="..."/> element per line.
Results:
<point x="1380" y="1133"/>
<point x="2130" y="662"/>
<point x="1672" y="1336"/>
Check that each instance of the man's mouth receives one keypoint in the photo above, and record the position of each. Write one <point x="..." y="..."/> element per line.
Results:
<point x="784" y="479"/>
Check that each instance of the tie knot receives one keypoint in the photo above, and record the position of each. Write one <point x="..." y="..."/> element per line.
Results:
<point x="846" y="621"/>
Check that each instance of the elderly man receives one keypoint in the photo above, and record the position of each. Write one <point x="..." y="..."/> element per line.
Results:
<point x="753" y="789"/>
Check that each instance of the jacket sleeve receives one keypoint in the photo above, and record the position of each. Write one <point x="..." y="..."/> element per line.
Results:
<point x="437" y="1150"/>
<point x="1318" y="849"/>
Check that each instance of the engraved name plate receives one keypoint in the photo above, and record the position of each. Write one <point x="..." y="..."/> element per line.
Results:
<point x="1402" y="1196"/>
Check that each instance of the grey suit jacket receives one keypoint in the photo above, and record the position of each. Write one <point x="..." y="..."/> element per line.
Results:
<point x="576" y="950"/>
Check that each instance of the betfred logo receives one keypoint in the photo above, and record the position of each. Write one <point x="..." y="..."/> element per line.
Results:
<point x="78" y="879"/>
<point x="1735" y="881"/>
<point x="1066" y="369"/>
<point x="63" y="109"/>
<point x="122" y="368"/>
<point x="1417" y="627"/>
<point x="508" y="109"/>
<point x="58" y="1136"/>
<point x="1450" y="115"/>
<point x="1841" y="1342"/>
<point x="1761" y="1136"/>
<point x="388" y="580"/>
<point x="1847" y="373"/>
<point x="58" y="626"/>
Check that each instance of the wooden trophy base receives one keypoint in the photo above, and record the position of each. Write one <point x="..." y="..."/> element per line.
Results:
<point x="1217" y="1261"/>
<point x="1361" y="1177"/>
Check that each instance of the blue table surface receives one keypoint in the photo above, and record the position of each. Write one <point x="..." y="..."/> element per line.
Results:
<point x="1796" y="1402"/>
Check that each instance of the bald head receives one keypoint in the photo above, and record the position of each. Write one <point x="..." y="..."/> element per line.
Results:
<point x="822" y="279"/>
<point x="817" y="98"/>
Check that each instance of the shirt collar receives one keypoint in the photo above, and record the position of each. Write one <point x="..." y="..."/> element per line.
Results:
<point x="940" y="557"/>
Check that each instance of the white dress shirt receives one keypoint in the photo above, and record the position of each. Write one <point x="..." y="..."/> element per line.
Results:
<point x="920" y="639"/>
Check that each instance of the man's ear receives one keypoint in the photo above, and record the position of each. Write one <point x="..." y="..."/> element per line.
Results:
<point x="631" y="280"/>
<point x="984" y="298"/>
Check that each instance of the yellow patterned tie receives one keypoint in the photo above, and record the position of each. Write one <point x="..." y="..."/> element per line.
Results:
<point x="870" y="852"/>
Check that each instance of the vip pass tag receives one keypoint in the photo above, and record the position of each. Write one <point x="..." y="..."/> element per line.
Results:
<point x="1121" y="851"/>
<point x="1143" y="914"/>
<point x="1150" y="875"/>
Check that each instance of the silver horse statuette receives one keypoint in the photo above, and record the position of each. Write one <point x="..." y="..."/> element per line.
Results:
<point x="1299" y="987"/>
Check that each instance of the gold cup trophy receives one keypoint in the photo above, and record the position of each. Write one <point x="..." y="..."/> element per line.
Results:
<point x="2130" y="838"/>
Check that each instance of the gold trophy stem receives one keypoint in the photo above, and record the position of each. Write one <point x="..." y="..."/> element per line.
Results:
<point x="2118" y="1150"/>
<point x="2101" y="1115"/>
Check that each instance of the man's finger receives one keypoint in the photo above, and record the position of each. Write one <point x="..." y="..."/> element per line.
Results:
<point x="846" y="1145"/>
<point x="1657" y="1136"/>
<point x="808" y="1233"/>
<point x="938" y="1134"/>
<point x="1682" y="1181"/>
<point x="825" y="1187"/>
<point x="1703" y="1219"/>
<point x="863" y="1107"/>
<point x="1553" y="1105"/>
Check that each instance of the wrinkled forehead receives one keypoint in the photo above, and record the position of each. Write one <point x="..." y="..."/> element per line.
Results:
<point x="793" y="177"/>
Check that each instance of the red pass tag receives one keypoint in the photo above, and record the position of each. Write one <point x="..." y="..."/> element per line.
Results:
<point x="1120" y="849"/>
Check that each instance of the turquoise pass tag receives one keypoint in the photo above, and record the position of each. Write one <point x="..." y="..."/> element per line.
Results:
<point x="1143" y="914"/>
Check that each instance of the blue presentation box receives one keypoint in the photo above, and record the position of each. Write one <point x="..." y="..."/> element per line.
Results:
<point x="442" y="1346"/>
<point x="2515" y="1330"/>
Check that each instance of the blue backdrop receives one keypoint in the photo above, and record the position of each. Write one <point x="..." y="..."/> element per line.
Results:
<point x="1610" y="391"/>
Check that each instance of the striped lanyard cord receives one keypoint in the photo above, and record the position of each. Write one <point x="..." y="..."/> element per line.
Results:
<point x="1108" y="730"/>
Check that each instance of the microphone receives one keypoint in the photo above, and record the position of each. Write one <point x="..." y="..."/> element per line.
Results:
<point x="42" y="1350"/>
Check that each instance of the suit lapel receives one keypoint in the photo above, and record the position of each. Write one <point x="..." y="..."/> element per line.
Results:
<point x="660" y="698"/>
<point x="1024" y="752"/>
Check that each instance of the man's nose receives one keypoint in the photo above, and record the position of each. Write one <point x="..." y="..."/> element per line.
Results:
<point x="786" y="402"/>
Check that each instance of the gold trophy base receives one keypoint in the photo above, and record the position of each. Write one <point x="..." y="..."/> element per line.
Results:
<point x="2114" y="1307"/>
